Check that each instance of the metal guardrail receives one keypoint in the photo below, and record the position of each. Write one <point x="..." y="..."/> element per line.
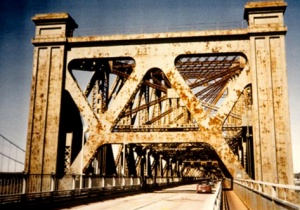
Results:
<point x="18" y="189"/>
<point x="219" y="198"/>
<point x="256" y="194"/>
<point x="23" y="189"/>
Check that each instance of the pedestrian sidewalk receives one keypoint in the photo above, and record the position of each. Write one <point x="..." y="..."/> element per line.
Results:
<point x="234" y="201"/>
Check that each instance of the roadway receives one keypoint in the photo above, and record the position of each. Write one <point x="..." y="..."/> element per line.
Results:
<point x="182" y="197"/>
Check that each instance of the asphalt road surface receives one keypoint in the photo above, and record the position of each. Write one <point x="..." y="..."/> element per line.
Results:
<point x="177" y="198"/>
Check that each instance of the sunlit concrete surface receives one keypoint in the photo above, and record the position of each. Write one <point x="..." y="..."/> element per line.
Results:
<point x="234" y="202"/>
<point x="183" y="197"/>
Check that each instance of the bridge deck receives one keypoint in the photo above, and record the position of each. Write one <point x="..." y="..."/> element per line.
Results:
<point x="180" y="197"/>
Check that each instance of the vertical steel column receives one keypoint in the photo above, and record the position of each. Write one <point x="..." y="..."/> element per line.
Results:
<point x="271" y="124"/>
<point x="161" y="170"/>
<point x="131" y="162"/>
<point x="50" y="43"/>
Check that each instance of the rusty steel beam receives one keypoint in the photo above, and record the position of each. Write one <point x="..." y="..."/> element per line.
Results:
<point x="144" y="106"/>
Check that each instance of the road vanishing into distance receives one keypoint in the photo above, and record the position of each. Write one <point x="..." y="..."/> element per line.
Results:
<point x="177" y="198"/>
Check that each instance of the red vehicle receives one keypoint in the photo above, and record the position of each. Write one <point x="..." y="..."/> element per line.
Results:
<point x="204" y="186"/>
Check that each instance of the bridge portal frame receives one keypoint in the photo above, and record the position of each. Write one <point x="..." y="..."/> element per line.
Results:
<point x="262" y="43"/>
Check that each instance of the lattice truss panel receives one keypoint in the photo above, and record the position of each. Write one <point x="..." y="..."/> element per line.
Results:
<point x="155" y="105"/>
<point x="187" y="159"/>
<point x="239" y="120"/>
<point x="101" y="79"/>
<point x="208" y="76"/>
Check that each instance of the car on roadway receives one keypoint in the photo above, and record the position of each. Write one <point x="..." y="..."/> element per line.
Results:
<point x="204" y="186"/>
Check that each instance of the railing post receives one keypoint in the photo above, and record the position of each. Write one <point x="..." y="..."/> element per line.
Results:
<point x="123" y="182"/>
<point x="52" y="182"/>
<point x="73" y="181"/>
<point x="274" y="191"/>
<point x="89" y="181"/>
<point x="103" y="181"/>
<point x="24" y="184"/>
<point x="139" y="181"/>
<point x="114" y="181"/>
<point x="131" y="181"/>
<point x="259" y="188"/>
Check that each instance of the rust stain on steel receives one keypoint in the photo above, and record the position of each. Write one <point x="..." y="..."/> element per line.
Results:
<point x="216" y="49"/>
<point x="50" y="16"/>
<point x="263" y="4"/>
<point x="214" y="121"/>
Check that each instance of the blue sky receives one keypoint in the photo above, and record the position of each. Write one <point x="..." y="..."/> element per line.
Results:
<point x="116" y="16"/>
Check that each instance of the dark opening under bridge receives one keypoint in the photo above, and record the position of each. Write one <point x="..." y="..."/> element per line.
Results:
<point x="181" y="104"/>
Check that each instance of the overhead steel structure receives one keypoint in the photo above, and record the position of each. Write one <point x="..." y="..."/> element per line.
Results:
<point x="178" y="103"/>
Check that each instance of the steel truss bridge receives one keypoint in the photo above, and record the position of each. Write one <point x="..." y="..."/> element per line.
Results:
<point x="161" y="106"/>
